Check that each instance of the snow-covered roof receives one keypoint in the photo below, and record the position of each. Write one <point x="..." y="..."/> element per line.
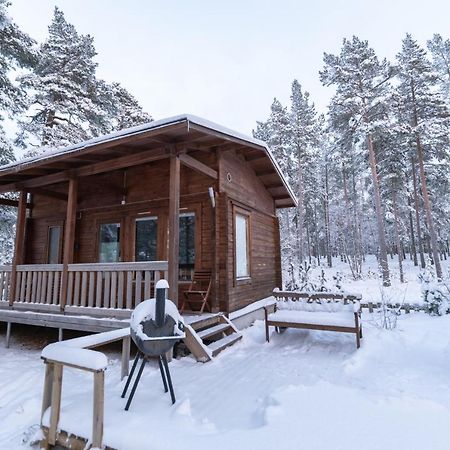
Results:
<point x="189" y="119"/>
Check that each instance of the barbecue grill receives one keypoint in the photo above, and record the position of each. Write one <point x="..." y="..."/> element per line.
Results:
<point x="156" y="325"/>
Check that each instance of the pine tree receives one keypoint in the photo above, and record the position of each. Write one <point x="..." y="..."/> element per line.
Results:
<point x="440" y="53"/>
<point x="304" y="134"/>
<point x="362" y="82"/>
<point x="60" y="88"/>
<point x="16" y="52"/>
<point x="426" y="124"/>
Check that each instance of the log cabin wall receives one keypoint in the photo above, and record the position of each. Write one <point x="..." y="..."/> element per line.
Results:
<point x="243" y="189"/>
<point x="145" y="190"/>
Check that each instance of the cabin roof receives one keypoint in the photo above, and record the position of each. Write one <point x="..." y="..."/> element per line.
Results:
<point x="183" y="131"/>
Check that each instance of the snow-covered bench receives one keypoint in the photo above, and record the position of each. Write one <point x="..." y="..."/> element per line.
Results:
<point x="316" y="311"/>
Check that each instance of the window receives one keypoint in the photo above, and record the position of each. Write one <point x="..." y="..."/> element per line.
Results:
<point x="54" y="245"/>
<point x="146" y="239"/>
<point x="242" y="246"/>
<point x="109" y="242"/>
<point x="187" y="245"/>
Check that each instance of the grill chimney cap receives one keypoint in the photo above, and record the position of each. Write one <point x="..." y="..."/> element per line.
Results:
<point x="162" y="284"/>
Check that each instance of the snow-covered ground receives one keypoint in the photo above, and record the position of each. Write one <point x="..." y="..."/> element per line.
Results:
<point x="370" y="285"/>
<point x="304" y="390"/>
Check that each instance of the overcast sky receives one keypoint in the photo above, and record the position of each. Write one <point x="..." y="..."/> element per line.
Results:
<point x="226" y="60"/>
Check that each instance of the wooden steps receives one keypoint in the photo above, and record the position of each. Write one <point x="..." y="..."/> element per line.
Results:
<point x="207" y="336"/>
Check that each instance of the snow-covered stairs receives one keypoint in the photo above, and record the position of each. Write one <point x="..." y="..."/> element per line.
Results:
<point x="207" y="336"/>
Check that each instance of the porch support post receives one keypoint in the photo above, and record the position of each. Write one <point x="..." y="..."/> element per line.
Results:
<point x="19" y="244"/>
<point x="174" y="226"/>
<point x="69" y="238"/>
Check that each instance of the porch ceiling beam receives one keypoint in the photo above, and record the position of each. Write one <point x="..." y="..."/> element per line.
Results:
<point x="49" y="193"/>
<point x="92" y="169"/>
<point x="198" y="166"/>
<point x="9" y="202"/>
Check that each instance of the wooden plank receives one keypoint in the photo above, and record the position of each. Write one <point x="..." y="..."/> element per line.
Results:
<point x="37" y="298"/>
<point x="56" y="291"/>
<point x="107" y="290"/>
<point x="120" y="290"/>
<point x="98" y="409"/>
<point x="47" y="394"/>
<point x="76" y="291"/>
<point x="198" y="166"/>
<point x="147" y="279"/>
<point x="117" y="267"/>
<point x="48" y="298"/>
<point x="174" y="227"/>
<point x="19" y="243"/>
<point x="113" y="298"/>
<point x="69" y="237"/>
<point x="29" y="287"/>
<point x="84" y="281"/>
<point x="138" y="288"/>
<point x="55" y="403"/>
<point x="43" y="296"/>
<point x="126" y="343"/>
<point x="129" y="301"/>
<point x="13" y="203"/>
<point x="91" y="289"/>
<point x="98" y="292"/>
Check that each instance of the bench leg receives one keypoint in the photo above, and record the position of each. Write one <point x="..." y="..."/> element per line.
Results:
<point x="360" y="332"/>
<point x="358" y="339"/>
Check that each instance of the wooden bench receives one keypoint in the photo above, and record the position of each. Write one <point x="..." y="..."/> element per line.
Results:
<point x="316" y="311"/>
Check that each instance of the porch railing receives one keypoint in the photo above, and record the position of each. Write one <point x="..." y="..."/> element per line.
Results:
<point x="5" y="275"/>
<point x="113" y="285"/>
<point x="98" y="285"/>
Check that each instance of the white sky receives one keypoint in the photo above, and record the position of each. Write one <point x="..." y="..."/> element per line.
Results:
<point x="226" y="60"/>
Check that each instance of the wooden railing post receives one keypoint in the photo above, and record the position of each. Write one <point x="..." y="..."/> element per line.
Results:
<point x="69" y="238"/>
<point x="19" y="244"/>
<point x="98" y="410"/>
<point x="174" y="226"/>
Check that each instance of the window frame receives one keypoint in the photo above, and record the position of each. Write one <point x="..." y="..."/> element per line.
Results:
<point x="111" y="220"/>
<point x="238" y="211"/>
<point x="141" y="218"/>
<point x="55" y="224"/>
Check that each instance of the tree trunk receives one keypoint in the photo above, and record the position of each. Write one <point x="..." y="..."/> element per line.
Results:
<point x="379" y="213"/>
<point x="426" y="198"/>
<point x="327" y="219"/>
<point x="413" y="239"/>
<point x="416" y="207"/>
<point x="300" y="210"/>
<point x="397" y="235"/>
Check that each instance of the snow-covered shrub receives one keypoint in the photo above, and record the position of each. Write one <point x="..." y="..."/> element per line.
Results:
<point x="386" y="314"/>
<point x="301" y="279"/>
<point x="435" y="293"/>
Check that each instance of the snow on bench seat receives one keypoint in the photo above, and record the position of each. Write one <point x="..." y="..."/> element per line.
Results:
<point x="338" y="319"/>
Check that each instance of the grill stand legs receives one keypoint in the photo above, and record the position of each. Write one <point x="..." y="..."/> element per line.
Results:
<point x="165" y="375"/>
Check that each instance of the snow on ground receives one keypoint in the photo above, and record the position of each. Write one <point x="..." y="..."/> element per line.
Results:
<point x="304" y="390"/>
<point x="370" y="285"/>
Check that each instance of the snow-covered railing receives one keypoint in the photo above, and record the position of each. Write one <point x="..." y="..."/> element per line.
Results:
<point x="77" y="353"/>
<point x="5" y="275"/>
<point x="113" y="285"/>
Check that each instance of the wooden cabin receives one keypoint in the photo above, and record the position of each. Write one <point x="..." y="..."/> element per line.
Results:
<point x="99" y="222"/>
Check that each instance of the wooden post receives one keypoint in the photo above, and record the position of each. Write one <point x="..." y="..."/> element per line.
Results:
<point x="174" y="227"/>
<point x="48" y="383"/>
<point x="8" y="333"/>
<point x="69" y="238"/>
<point x="99" y="399"/>
<point x="126" y="341"/>
<point x="19" y="244"/>
<point x="55" y="402"/>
